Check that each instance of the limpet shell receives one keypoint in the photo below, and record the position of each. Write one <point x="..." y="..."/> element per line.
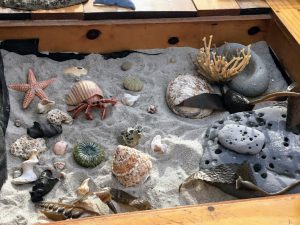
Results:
<point x="88" y="154"/>
<point x="182" y="88"/>
<point x="130" y="166"/>
<point x="133" y="83"/>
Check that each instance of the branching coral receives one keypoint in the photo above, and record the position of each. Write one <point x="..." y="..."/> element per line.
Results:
<point x="216" y="68"/>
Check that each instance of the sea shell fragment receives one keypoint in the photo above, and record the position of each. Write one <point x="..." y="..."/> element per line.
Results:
<point x="129" y="99"/>
<point x="45" y="106"/>
<point x="28" y="174"/>
<point x="157" y="146"/>
<point x="59" y="165"/>
<point x="57" y="117"/>
<point x="130" y="166"/>
<point x="131" y="136"/>
<point x="77" y="71"/>
<point x="25" y="145"/>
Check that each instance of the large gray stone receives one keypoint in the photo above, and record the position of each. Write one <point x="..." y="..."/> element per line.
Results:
<point x="254" y="79"/>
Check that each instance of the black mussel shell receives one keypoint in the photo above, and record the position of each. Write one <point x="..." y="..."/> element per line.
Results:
<point x="39" y="130"/>
<point x="236" y="102"/>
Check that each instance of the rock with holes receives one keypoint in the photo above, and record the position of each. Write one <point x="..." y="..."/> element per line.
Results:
<point x="241" y="139"/>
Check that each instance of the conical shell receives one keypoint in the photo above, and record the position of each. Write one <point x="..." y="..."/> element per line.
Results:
<point x="81" y="91"/>
<point x="131" y="166"/>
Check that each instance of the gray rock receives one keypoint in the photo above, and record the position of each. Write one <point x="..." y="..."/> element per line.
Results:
<point x="254" y="79"/>
<point x="241" y="139"/>
<point x="126" y="66"/>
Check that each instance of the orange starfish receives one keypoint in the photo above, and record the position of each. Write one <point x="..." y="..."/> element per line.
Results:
<point x="32" y="88"/>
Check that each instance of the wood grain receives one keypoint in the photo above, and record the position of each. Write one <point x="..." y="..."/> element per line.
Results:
<point x="118" y="35"/>
<point x="144" y="9"/>
<point x="279" y="210"/>
<point x="253" y="7"/>
<point x="216" y="7"/>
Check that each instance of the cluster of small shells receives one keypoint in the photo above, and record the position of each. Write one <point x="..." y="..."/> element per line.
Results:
<point x="25" y="145"/>
<point x="81" y="91"/>
<point x="131" y="166"/>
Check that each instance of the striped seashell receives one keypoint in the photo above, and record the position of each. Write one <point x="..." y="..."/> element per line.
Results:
<point x="131" y="166"/>
<point x="82" y="91"/>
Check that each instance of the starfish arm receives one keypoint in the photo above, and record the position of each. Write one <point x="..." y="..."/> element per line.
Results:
<point x="43" y="84"/>
<point x="19" y="87"/>
<point x="29" y="96"/>
<point x="31" y="77"/>
<point x="40" y="93"/>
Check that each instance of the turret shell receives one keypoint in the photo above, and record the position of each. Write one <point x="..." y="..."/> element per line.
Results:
<point x="81" y="91"/>
<point x="131" y="166"/>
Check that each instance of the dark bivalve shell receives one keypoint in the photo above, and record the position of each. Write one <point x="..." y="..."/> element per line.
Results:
<point x="88" y="154"/>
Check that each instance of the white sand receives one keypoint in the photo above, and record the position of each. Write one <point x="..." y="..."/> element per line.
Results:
<point x="182" y="135"/>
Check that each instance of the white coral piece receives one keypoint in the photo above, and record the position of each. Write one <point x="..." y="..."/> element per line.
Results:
<point x="56" y="116"/>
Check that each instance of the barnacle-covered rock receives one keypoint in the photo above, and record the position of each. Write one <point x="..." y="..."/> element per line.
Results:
<point x="133" y="83"/>
<point x="131" y="136"/>
<point x="182" y="88"/>
<point x="131" y="166"/>
<point x="58" y="117"/>
<point x="88" y="154"/>
<point x="25" y="145"/>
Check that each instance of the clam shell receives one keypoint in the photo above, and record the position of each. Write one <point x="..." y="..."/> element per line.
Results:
<point x="81" y="91"/>
<point x="182" y="88"/>
<point x="133" y="83"/>
<point x="76" y="71"/>
<point x="131" y="166"/>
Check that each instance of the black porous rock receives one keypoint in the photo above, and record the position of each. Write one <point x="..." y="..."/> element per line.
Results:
<point x="236" y="102"/>
<point x="43" y="186"/>
<point x="274" y="168"/>
<point x="40" y="130"/>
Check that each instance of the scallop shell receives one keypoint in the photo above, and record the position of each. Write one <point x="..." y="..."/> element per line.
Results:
<point x="182" y="88"/>
<point x="88" y="154"/>
<point x="133" y="83"/>
<point x="25" y="145"/>
<point x="81" y="91"/>
<point x="131" y="166"/>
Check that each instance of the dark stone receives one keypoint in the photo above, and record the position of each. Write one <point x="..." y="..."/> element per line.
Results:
<point x="40" y="130"/>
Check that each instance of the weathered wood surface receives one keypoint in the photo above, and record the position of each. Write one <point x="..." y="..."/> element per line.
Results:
<point x="217" y="7"/>
<point x="117" y="35"/>
<point x="253" y="7"/>
<point x="279" y="210"/>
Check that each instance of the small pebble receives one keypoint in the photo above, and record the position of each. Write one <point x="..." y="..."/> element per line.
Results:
<point x="172" y="60"/>
<point x="60" y="165"/>
<point x="152" y="109"/>
<point x="126" y="66"/>
<point x="60" y="148"/>
<point x="18" y="123"/>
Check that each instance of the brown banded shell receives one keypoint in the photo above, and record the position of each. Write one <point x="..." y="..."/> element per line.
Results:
<point x="81" y="91"/>
<point x="131" y="166"/>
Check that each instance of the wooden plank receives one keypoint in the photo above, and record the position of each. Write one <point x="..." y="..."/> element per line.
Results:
<point x="279" y="210"/>
<point x="285" y="47"/>
<point x="11" y="14"/>
<point x="144" y="9"/>
<point x="253" y="7"/>
<point x="288" y="12"/>
<point x="71" y="12"/>
<point x="117" y="35"/>
<point x="217" y="7"/>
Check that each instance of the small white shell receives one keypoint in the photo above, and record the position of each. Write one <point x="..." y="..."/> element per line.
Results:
<point x="17" y="173"/>
<point x="28" y="175"/>
<point x="60" y="148"/>
<point x="56" y="116"/>
<point x="157" y="146"/>
<point x="45" y="106"/>
<point x="59" y="165"/>
<point x="129" y="99"/>
<point x="77" y="71"/>
<point x="84" y="188"/>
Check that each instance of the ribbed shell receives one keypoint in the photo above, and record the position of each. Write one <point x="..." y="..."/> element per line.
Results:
<point x="131" y="166"/>
<point x="81" y="91"/>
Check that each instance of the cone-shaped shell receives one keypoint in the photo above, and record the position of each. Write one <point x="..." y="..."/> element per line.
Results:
<point x="81" y="91"/>
<point x="130" y="166"/>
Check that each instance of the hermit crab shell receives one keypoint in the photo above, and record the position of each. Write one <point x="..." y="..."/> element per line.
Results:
<point x="182" y="88"/>
<point x="81" y="91"/>
<point x="131" y="166"/>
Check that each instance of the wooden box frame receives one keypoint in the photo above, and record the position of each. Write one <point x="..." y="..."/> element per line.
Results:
<point x="119" y="35"/>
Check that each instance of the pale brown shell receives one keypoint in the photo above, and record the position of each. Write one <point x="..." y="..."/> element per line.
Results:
<point x="131" y="166"/>
<point x="81" y="91"/>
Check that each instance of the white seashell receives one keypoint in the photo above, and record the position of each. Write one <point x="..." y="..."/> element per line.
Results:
<point x="129" y="99"/>
<point x="77" y="71"/>
<point x="45" y="106"/>
<point x="28" y="175"/>
<point x="60" y="148"/>
<point x="152" y="109"/>
<point x="84" y="188"/>
<point x="157" y="146"/>
<point x="17" y="173"/>
<point x="56" y="116"/>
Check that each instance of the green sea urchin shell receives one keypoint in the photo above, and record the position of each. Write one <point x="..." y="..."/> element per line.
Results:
<point x="88" y="154"/>
<point x="133" y="83"/>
